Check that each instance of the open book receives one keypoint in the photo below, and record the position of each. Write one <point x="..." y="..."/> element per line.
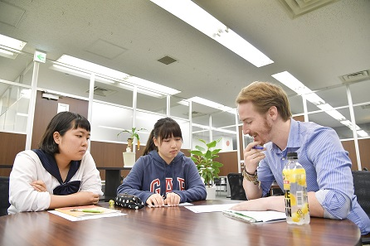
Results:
<point x="85" y="212"/>
<point x="255" y="216"/>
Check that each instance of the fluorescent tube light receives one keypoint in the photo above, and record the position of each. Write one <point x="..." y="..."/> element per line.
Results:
<point x="314" y="98"/>
<point x="10" y="47"/>
<point x="297" y="86"/>
<point x="105" y="73"/>
<point x="184" y="103"/>
<point x="213" y="129"/>
<point x="151" y="85"/>
<point x="12" y="42"/>
<point x="335" y="114"/>
<point x="349" y="124"/>
<point x="325" y="106"/>
<point x="91" y="67"/>
<point x="81" y="74"/>
<point x="294" y="84"/>
<point x="6" y="53"/>
<point x="362" y="133"/>
<point x="142" y="91"/>
<point x="211" y="104"/>
<point x="198" y="18"/>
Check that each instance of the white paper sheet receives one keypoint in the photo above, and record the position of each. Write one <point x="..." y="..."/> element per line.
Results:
<point x="210" y="208"/>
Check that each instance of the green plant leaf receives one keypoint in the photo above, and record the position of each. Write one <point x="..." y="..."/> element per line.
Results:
<point x="204" y="157"/>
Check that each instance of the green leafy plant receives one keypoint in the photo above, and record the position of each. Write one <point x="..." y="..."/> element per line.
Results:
<point x="133" y="133"/>
<point x="204" y="157"/>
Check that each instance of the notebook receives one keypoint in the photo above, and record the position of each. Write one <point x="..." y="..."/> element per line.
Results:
<point x="85" y="212"/>
<point x="255" y="216"/>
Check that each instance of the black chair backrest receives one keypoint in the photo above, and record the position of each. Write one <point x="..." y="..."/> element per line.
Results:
<point x="4" y="195"/>
<point x="236" y="186"/>
<point x="361" y="181"/>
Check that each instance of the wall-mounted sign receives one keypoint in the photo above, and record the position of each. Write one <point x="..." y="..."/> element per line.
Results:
<point x="63" y="107"/>
<point x="39" y="56"/>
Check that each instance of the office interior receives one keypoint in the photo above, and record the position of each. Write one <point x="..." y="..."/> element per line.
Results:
<point x="325" y="46"/>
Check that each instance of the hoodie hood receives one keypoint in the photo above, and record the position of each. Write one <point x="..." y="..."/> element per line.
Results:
<point x="159" y="161"/>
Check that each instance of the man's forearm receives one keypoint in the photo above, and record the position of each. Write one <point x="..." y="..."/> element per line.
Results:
<point x="252" y="191"/>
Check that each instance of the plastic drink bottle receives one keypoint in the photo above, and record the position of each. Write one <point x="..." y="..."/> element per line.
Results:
<point x="295" y="192"/>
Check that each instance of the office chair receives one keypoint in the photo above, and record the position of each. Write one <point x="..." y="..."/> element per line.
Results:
<point x="4" y="195"/>
<point x="236" y="186"/>
<point x="361" y="181"/>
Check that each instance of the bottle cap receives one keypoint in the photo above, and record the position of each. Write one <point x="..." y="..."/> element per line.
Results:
<point x="292" y="155"/>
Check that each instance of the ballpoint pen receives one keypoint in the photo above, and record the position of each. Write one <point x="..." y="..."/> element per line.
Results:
<point x="258" y="147"/>
<point x="87" y="210"/>
<point x="238" y="215"/>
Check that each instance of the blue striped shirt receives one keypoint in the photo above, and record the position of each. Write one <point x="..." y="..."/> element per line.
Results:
<point x="328" y="170"/>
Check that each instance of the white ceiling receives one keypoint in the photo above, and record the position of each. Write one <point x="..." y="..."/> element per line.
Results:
<point x="131" y="35"/>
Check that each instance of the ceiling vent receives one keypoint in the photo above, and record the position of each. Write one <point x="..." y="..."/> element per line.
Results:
<point x="366" y="106"/>
<point x="103" y="92"/>
<point x="355" y="77"/>
<point x="195" y="114"/>
<point x="297" y="8"/>
<point x="167" y="60"/>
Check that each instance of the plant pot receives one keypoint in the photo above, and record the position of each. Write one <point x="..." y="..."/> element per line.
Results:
<point x="211" y="192"/>
<point x="128" y="159"/>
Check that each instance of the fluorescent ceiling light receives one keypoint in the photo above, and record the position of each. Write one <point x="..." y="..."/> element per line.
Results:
<point x="91" y="67"/>
<point x="141" y="91"/>
<point x="213" y="129"/>
<point x="209" y="103"/>
<point x="325" y="106"/>
<point x="81" y="74"/>
<point x="198" y="18"/>
<point x="107" y="74"/>
<point x="297" y="86"/>
<point x="11" y="42"/>
<point x="349" y="125"/>
<point x="314" y="98"/>
<point x="10" y="47"/>
<point x="294" y="84"/>
<point x="184" y="103"/>
<point x="362" y="133"/>
<point x="151" y="85"/>
<point x="6" y="53"/>
<point x="336" y="115"/>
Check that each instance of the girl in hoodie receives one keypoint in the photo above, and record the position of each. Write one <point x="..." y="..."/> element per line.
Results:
<point x="164" y="175"/>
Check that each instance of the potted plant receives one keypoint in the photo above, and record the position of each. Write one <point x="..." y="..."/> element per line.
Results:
<point x="208" y="168"/>
<point x="133" y="134"/>
<point x="129" y="155"/>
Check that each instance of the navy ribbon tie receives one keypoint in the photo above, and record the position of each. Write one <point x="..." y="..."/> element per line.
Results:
<point x="50" y="165"/>
<point x="67" y="188"/>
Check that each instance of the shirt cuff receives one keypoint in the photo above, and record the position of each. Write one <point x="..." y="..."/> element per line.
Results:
<point x="334" y="208"/>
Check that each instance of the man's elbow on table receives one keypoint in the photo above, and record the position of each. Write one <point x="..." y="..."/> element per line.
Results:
<point x="329" y="204"/>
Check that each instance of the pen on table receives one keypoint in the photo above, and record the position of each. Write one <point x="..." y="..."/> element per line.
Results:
<point x="240" y="215"/>
<point x="87" y="210"/>
<point x="257" y="147"/>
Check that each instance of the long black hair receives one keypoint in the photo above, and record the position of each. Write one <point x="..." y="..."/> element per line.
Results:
<point x="163" y="128"/>
<point x="61" y="122"/>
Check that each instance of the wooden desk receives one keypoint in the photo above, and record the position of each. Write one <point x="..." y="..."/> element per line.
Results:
<point x="170" y="226"/>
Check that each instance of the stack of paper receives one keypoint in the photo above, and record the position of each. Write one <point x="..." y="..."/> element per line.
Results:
<point x="85" y="212"/>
